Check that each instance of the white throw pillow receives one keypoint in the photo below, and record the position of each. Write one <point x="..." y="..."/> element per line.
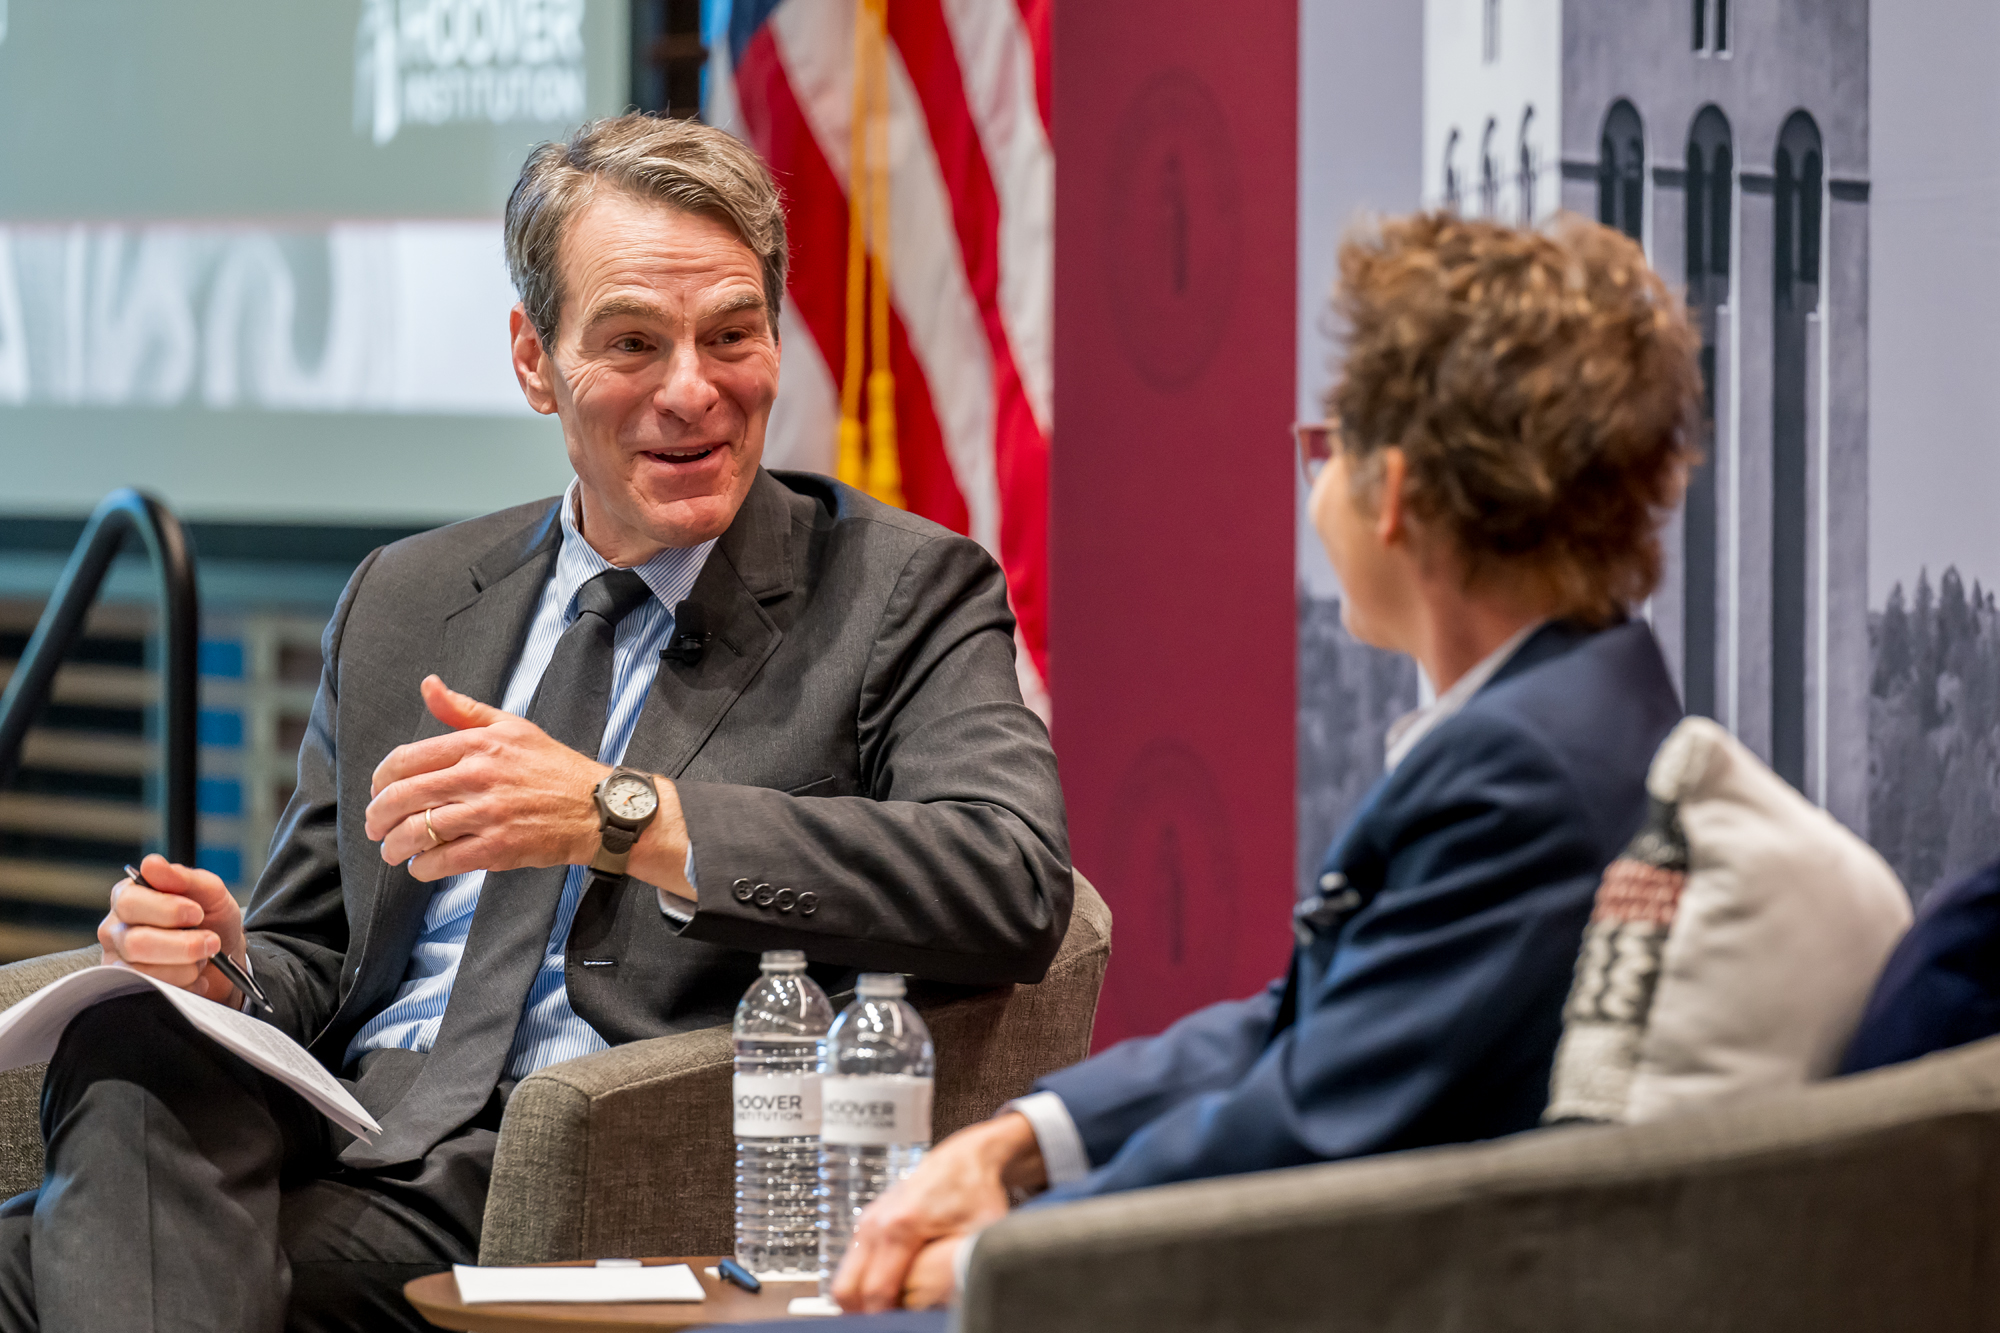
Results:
<point x="1731" y="948"/>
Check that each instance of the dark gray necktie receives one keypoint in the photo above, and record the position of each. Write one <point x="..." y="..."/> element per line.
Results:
<point x="517" y="908"/>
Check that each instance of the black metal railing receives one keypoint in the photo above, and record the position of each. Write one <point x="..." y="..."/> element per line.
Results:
<point x="61" y="625"/>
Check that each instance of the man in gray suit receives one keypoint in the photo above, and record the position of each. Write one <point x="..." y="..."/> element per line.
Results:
<point x="571" y="765"/>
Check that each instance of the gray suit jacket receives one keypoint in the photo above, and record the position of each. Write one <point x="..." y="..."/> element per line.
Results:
<point x="853" y="730"/>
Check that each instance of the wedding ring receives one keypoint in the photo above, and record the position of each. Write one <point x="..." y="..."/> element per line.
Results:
<point x="436" y="841"/>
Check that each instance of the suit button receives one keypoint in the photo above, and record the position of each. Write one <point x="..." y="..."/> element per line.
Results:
<point x="742" y="890"/>
<point x="808" y="903"/>
<point x="765" y="894"/>
<point x="785" y="899"/>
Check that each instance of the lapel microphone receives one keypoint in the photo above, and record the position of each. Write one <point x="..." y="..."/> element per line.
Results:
<point x="690" y="637"/>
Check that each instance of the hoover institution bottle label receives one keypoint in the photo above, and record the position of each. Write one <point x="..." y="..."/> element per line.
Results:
<point x="776" y="1106"/>
<point x="877" y="1109"/>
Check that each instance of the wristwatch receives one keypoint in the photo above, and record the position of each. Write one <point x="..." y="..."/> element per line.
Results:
<point x="627" y="800"/>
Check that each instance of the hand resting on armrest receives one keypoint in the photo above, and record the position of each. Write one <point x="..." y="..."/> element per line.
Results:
<point x="906" y="1245"/>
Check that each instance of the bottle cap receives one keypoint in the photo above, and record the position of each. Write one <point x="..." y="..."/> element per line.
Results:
<point x="783" y="960"/>
<point x="888" y="985"/>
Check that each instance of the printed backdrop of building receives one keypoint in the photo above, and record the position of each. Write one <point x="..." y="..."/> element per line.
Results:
<point x="1731" y="141"/>
<point x="1752" y="147"/>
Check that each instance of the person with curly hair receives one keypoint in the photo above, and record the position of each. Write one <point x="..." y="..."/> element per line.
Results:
<point x="1511" y="425"/>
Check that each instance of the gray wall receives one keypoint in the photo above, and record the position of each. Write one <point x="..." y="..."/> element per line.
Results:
<point x="1934" y="474"/>
<point x="1935" y="280"/>
<point x="1360" y="152"/>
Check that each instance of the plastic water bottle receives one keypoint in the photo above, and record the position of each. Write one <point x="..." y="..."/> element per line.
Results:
<point x="780" y="1035"/>
<point x="875" y="1108"/>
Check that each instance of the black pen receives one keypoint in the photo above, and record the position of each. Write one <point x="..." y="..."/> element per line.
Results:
<point x="237" y="976"/>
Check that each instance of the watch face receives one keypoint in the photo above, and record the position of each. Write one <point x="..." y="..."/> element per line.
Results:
<point x="630" y="797"/>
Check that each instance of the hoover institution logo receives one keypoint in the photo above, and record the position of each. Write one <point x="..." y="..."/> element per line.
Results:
<point x="437" y="62"/>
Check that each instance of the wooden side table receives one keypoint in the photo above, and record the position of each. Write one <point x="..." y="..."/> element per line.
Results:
<point x="436" y="1299"/>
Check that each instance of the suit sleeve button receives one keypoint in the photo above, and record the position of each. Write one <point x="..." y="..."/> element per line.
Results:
<point x="808" y="903"/>
<point x="765" y="894"/>
<point x="785" y="899"/>
<point x="742" y="890"/>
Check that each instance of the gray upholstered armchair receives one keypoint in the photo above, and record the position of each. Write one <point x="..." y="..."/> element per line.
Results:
<point x="629" y="1151"/>
<point x="1864" y="1204"/>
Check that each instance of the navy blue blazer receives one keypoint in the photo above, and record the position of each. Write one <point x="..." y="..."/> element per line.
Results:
<point x="1425" y="996"/>
<point x="1941" y="986"/>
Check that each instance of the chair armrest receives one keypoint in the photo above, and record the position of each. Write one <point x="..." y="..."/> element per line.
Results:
<point x="992" y="1045"/>
<point x="624" y="1152"/>
<point x="21" y="1089"/>
<point x="631" y="1151"/>
<point x="1867" y="1203"/>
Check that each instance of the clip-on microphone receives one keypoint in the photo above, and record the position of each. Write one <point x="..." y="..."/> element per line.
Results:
<point x="690" y="637"/>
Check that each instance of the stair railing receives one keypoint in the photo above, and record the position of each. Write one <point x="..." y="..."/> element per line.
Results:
<point x="61" y="626"/>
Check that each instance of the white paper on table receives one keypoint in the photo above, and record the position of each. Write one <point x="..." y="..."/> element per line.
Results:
<point x="812" y="1307"/>
<point x="30" y="1030"/>
<point x="661" y="1282"/>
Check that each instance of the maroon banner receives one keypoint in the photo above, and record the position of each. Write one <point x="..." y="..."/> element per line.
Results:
<point x="1172" y="606"/>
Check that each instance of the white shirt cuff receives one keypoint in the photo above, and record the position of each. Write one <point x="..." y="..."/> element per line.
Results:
<point x="961" y="1264"/>
<point x="672" y="906"/>
<point x="1056" y="1133"/>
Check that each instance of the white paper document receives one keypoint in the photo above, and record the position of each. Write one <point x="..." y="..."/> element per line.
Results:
<point x="30" y="1030"/>
<point x="661" y="1282"/>
<point x="812" y="1307"/>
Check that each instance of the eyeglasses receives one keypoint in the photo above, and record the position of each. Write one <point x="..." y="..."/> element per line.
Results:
<point x="1315" y="439"/>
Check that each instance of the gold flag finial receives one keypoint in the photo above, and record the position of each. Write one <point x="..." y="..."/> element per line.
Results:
<point x="869" y="459"/>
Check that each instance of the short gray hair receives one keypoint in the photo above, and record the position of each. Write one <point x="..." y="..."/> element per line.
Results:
<point x="680" y="163"/>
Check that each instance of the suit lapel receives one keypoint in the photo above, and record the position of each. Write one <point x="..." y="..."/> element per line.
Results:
<point x="750" y="567"/>
<point x="481" y="642"/>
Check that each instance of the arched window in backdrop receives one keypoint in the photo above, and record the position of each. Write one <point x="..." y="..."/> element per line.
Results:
<point x="1524" y="184"/>
<point x="1716" y="32"/>
<point x="1711" y="195"/>
<point x="1799" y="181"/>
<point x="1489" y="172"/>
<point x="1621" y="170"/>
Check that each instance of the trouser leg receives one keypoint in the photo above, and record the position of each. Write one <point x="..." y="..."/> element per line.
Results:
<point x="355" y="1237"/>
<point x="17" y="1276"/>
<point x="352" y="1249"/>
<point x="183" y="1190"/>
<point x="159" y="1207"/>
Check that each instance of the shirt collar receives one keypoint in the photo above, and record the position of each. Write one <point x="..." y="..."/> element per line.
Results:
<point x="670" y="574"/>
<point x="1413" y="726"/>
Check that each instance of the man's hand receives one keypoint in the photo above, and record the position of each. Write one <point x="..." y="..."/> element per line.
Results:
<point x="933" y="1274"/>
<point x="172" y="929"/>
<point x="501" y="793"/>
<point x="905" y="1243"/>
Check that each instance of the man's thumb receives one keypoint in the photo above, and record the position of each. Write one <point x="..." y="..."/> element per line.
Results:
<point x="455" y="710"/>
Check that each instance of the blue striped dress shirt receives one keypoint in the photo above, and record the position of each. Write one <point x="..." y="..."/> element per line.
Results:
<point x="549" y="1030"/>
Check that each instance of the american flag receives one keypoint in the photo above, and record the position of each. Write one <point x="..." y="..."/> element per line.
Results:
<point x="952" y="107"/>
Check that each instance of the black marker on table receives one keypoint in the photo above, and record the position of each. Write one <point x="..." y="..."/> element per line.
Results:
<point x="732" y="1271"/>
<point x="237" y="976"/>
